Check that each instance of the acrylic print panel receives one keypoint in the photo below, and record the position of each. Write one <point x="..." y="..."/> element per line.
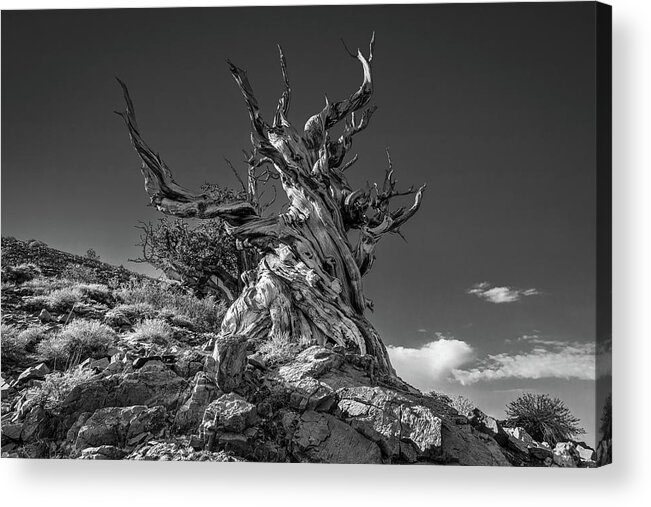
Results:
<point x="265" y="307"/>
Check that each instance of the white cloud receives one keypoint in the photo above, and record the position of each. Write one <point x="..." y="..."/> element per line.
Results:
<point x="547" y="359"/>
<point x="428" y="366"/>
<point x="496" y="294"/>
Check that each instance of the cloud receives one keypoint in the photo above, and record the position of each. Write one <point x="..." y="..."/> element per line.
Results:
<point x="430" y="365"/>
<point x="495" y="294"/>
<point x="547" y="358"/>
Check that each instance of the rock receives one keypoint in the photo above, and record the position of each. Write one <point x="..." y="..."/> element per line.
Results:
<point x="37" y="424"/>
<point x="176" y="451"/>
<point x="115" y="426"/>
<point x="191" y="413"/>
<point x="540" y="453"/>
<point x="257" y="360"/>
<point x="585" y="453"/>
<point x="402" y="428"/>
<point x="103" y="452"/>
<point x="488" y="425"/>
<point x="521" y="435"/>
<point x="116" y="318"/>
<point x="565" y="455"/>
<point x="322" y="438"/>
<point x="230" y="412"/>
<point x="189" y="363"/>
<point x="33" y="373"/>
<point x="11" y="432"/>
<point x="45" y="316"/>
<point x="153" y="384"/>
<point x="100" y="364"/>
<point x="310" y="394"/>
<point x="230" y="361"/>
<point x="463" y="445"/>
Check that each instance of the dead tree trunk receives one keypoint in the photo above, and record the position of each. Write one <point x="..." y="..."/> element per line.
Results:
<point x="308" y="282"/>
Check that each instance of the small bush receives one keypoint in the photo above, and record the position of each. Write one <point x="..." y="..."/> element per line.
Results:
<point x="92" y="254"/>
<point x="56" y="387"/>
<point x="135" y="312"/>
<point x="21" y="273"/>
<point x="279" y="349"/>
<point x="44" y="286"/>
<point x="18" y="344"/>
<point x="13" y="351"/>
<point x="155" y="331"/>
<point x="77" y="341"/>
<point x="96" y="292"/>
<point x="62" y="300"/>
<point x="206" y="314"/>
<point x="462" y="404"/>
<point x="545" y="418"/>
<point x="80" y="273"/>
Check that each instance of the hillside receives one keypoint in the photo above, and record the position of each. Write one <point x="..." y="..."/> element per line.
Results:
<point x="101" y="363"/>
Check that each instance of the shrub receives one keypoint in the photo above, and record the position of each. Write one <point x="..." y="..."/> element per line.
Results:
<point x="21" y="273"/>
<point x="462" y="404"/>
<point x="56" y="387"/>
<point x="92" y="254"/>
<point x="152" y="331"/>
<point x="134" y="312"/>
<point x="545" y="418"/>
<point x="96" y="292"/>
<point x="206" y="314"/>
<point x="62" y="300"/>
<point x="17" y="344"/>
<point x="77" y="341"/>
<point x="80" y="273"/>
<point x="279" y="349"/>
<point x="42" y="285"/>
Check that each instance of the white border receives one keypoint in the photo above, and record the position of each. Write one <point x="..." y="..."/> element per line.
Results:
<point x="627" y="481"/>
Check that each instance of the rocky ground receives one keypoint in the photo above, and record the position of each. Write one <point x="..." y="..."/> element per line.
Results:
<point x="98" y="363"/>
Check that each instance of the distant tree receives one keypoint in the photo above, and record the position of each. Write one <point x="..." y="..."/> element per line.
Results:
<point x="545" y="418"/>
<point x="92" y="254"/>
<point x="606" y="427"/>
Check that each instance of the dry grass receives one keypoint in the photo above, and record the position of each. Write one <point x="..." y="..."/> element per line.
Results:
<point x="205" y="314"/>
<point x="77" y="341"/>
<point x="56" y="387"/>
<point x="154" y="331"/>
<point x="279" y="349"/>
<point x="18" y="344"/>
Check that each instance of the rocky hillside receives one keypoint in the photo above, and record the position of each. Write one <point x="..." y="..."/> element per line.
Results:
<point x="98" y="363"/>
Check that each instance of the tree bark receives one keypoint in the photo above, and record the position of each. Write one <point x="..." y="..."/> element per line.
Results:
<point x="308" y="283"/>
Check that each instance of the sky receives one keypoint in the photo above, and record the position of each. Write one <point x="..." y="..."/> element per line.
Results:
<point x="492" y="105"/>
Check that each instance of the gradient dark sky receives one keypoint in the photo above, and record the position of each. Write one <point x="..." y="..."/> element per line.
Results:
<point x="492" y="105"/>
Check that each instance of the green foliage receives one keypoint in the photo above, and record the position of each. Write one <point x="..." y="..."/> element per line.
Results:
<point x="545" y="418"/>
<point x="206" y="314"/>
<point x="278" y="349"/>
<point x="76" y="342"/>
<point x="606" y="427"/>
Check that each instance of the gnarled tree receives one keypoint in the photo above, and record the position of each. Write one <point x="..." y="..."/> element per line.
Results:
<point x="308" y="282"/>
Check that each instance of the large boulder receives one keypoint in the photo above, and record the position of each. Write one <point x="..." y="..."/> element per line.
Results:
<point x="153" y="384"/>
<point x="191" y="413"/>
<point x="565" y="455"/>
<point x="322" y="438"/>
<point x="119" y="426"/>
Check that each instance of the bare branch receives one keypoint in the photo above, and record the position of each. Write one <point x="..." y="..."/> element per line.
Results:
<point x="334" y="112"/>
<point x="283" y="104"/>
<point x="167" y="195"/>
